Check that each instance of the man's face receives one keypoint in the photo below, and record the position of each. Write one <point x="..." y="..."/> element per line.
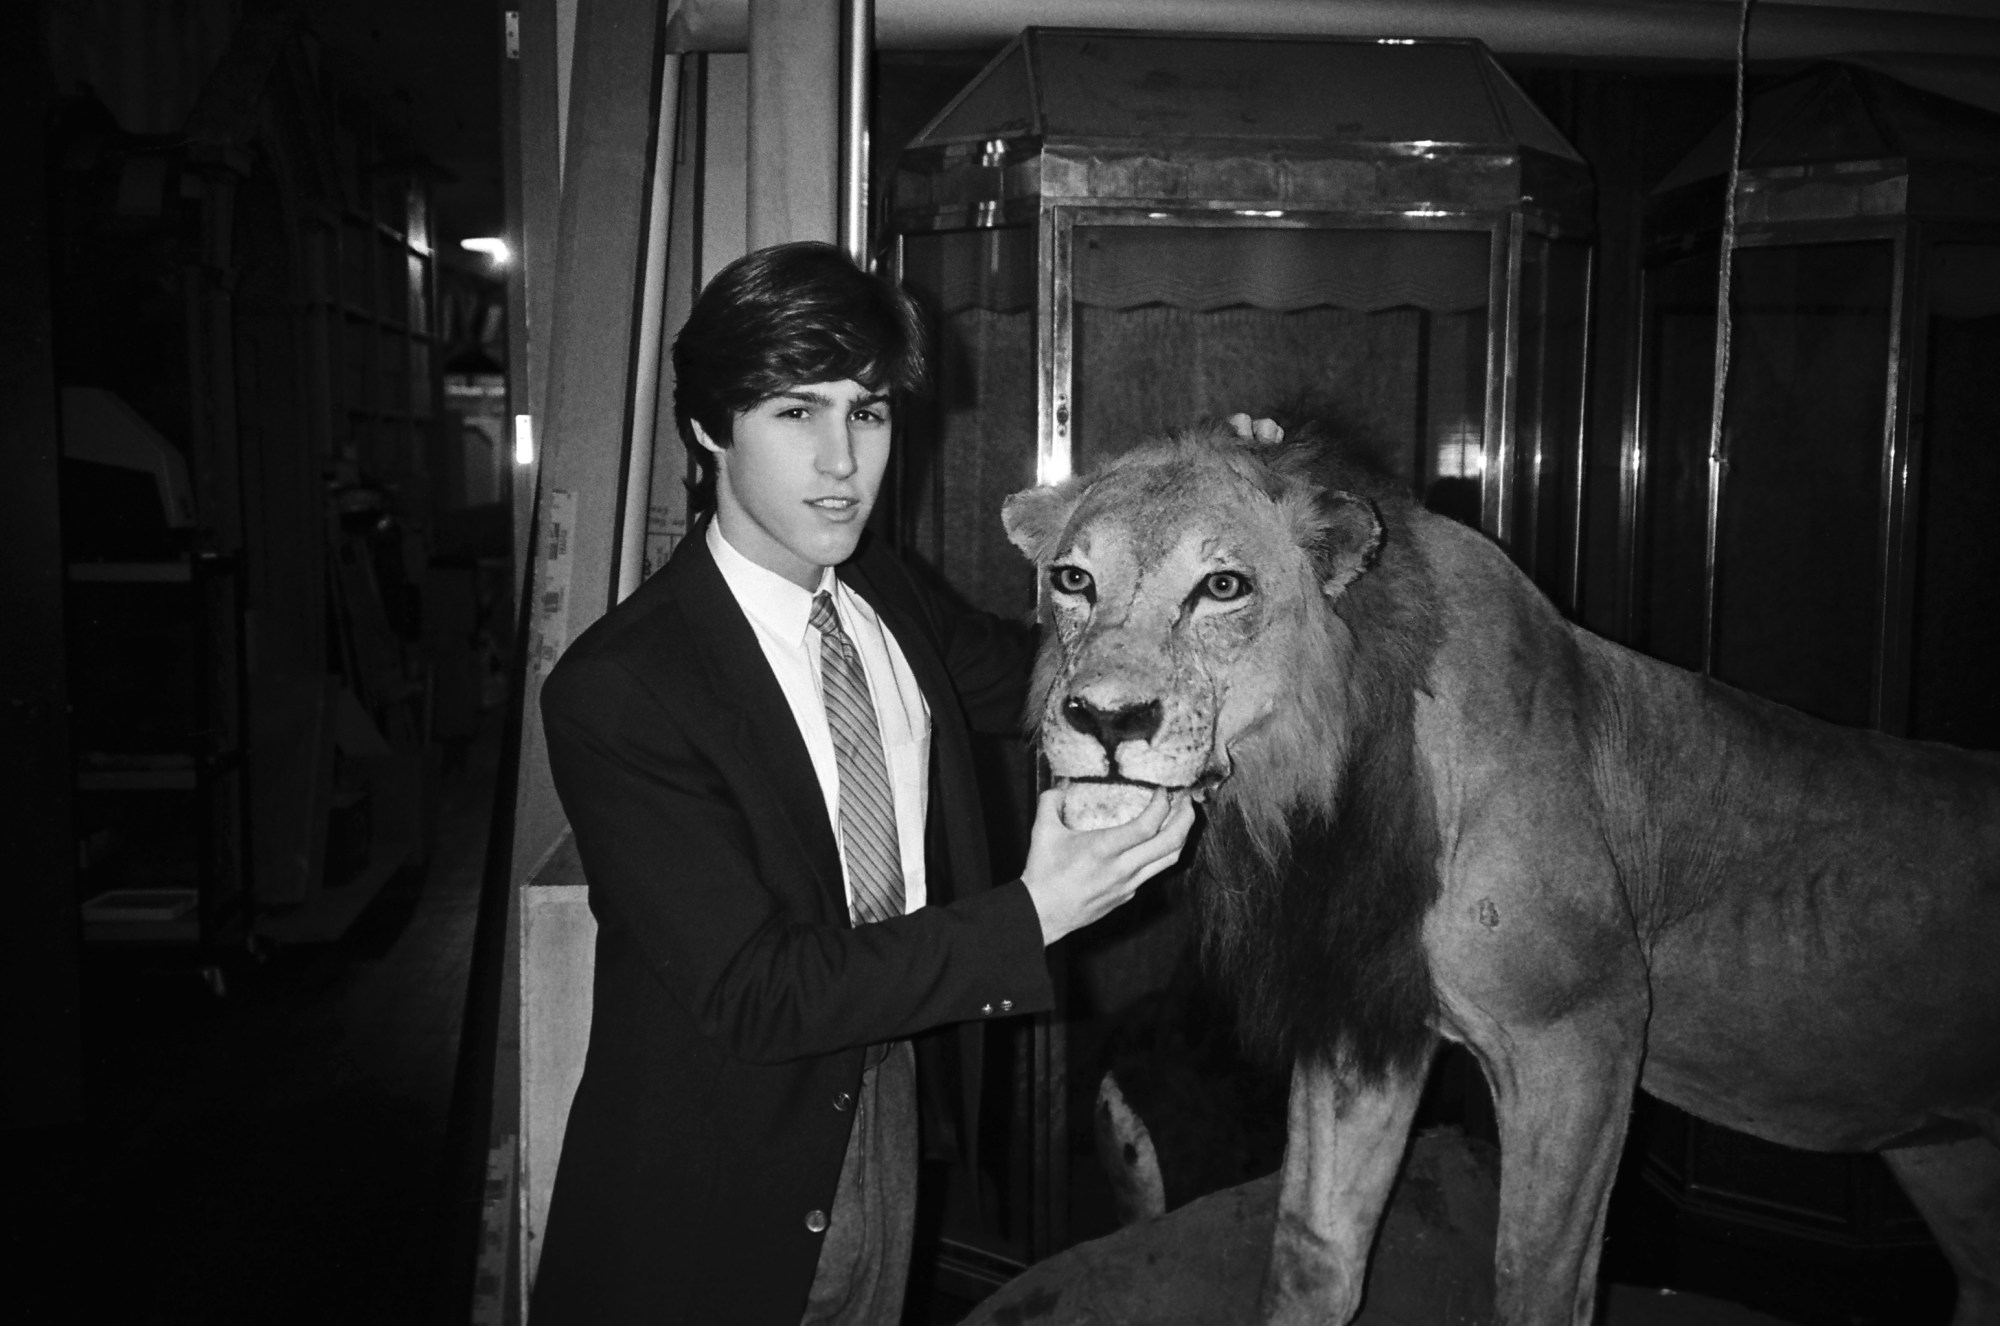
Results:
<point x="794" y="487"/>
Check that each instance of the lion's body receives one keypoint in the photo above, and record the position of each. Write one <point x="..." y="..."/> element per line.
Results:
<point x="1439" y="809"/>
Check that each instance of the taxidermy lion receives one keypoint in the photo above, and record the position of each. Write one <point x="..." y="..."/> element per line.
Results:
<point x="1437" y="808"/>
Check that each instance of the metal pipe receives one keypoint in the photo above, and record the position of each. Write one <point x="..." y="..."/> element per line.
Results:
<point x="636" y="502"/>
<point x="1589" y="29"/>
<point x="857" y="39"/>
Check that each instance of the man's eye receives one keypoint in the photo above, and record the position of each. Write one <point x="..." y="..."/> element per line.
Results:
<point x="1225" y="585"/>
<point x="1070" y="580"/>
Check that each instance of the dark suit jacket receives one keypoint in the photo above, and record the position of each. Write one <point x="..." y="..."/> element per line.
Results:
<point x="733" y="1000"/>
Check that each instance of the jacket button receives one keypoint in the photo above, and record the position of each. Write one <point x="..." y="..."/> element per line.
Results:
<point x="841" y="1100"/>
<point x="987" y="1009"/>
<point x="816" y="1221"/>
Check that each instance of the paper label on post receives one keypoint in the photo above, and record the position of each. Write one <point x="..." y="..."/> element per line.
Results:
<point x="551" y="627"/>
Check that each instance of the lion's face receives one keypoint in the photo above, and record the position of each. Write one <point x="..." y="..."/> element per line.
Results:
<point x="1178" y="581"/>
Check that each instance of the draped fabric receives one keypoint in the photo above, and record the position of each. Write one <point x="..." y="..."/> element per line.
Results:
<point x="1205" y="268"/>
<point x="1383" y="331"/>
<point x="1283" y="270"/>
<point x="1400" y="378"/>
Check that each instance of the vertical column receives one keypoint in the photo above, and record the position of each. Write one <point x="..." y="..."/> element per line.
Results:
<point x="794" y="157"/>
<point x="593" y="288"/>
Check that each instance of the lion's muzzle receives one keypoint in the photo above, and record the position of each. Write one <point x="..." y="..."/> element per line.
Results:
<point x="1115" y="798"/>
<point x="1112" y="727"/>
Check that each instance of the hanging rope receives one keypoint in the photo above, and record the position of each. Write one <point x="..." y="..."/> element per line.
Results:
<point x="1718" y="460"/>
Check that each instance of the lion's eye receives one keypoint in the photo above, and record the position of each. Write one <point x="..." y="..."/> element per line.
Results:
<point x="1225" y="585"/>
<point x="1070" y="580"/>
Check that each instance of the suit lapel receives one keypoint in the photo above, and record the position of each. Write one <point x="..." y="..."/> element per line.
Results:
<point x="752" y="711"/>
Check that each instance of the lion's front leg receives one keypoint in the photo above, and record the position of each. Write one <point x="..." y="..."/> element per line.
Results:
<point x="1563" y="1095"/>
<point x="1343" y="1145"/>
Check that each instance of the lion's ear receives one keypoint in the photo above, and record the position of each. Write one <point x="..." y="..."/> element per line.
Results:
<point x="1348" y="544"/>
<point x="1034" y="518"/>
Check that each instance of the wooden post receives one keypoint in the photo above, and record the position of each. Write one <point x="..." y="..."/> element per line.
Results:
<point x="593" y="288"/>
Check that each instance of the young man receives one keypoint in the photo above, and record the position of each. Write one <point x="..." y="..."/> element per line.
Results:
<point x="763" y="754"/>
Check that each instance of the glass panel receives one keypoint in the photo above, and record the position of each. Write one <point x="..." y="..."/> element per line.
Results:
<point x="392" y="302"/>
<point x="973" y="443"/>
<point x="1381" y="331"/>
<point x="395" y="364"/>
<point x="1680" y="376"/>
<point x="417" y="305"/>
<point x="360" y="395"/>
<point x="1548" y="404"/>
<point x="420" y="378"/>
<point x="1958" y="559"/>
<point x="356" y="288"/>
<point x="1798" y="575"/>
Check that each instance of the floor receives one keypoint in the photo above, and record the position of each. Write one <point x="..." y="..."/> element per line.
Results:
<point x="281" y="1153"/>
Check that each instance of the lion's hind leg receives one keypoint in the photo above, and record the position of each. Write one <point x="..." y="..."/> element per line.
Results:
<point x="1956" y="1185"/>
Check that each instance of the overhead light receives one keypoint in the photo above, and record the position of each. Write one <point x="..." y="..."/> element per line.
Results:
<point x="491" y="245"/>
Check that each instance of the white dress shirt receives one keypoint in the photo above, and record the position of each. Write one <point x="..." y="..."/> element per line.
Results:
<point x="780" y="613"/>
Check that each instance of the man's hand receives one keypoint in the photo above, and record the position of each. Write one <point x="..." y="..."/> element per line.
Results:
<point x="1076" y="876"/>
<point x="1263" y="430"/>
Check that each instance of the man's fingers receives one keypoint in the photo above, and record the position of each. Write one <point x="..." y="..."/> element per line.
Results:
<point x="1267" y="430"/>
<point x="1121" y="837"/>
<point x="1156" y="853"/>
<point x="1241" y="423"/>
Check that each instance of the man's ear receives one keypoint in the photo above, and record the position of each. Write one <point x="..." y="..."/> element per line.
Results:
<point x="1349" y="543"/>
<point x="708" y="443"/>
<point x="1035" y="518"/>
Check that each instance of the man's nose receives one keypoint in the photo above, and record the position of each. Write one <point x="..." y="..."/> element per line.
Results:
<point x="836" y="451"/>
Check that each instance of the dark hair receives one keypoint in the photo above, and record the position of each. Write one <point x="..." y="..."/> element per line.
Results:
<point x="779" y="317"/>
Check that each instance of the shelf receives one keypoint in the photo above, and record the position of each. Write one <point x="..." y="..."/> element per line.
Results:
<point x="143" y="916"/>
<point x="136" y="780"/>
<point x="132" y="573"/>
<point x="147" y="773"/>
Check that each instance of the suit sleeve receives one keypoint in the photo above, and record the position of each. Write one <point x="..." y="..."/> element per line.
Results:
<point x="675" y="858"/>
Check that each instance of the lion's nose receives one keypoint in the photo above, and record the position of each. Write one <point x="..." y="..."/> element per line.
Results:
<point x="1132" y="722"/>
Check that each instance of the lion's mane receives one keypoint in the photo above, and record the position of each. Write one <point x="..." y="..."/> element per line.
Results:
<point x="1318" y="862"/>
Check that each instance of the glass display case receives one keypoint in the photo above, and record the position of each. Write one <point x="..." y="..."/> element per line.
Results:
<point x="1115" y="233"/>
<point x="1837" y="553"/>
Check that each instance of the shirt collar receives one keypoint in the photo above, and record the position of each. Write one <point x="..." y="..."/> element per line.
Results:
<point x="766" y="597"/>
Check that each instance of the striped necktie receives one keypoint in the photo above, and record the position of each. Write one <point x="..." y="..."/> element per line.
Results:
<point x="867" y="810"/>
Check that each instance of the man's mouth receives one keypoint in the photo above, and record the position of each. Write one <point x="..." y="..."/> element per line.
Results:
<point x="835" y="504"/>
